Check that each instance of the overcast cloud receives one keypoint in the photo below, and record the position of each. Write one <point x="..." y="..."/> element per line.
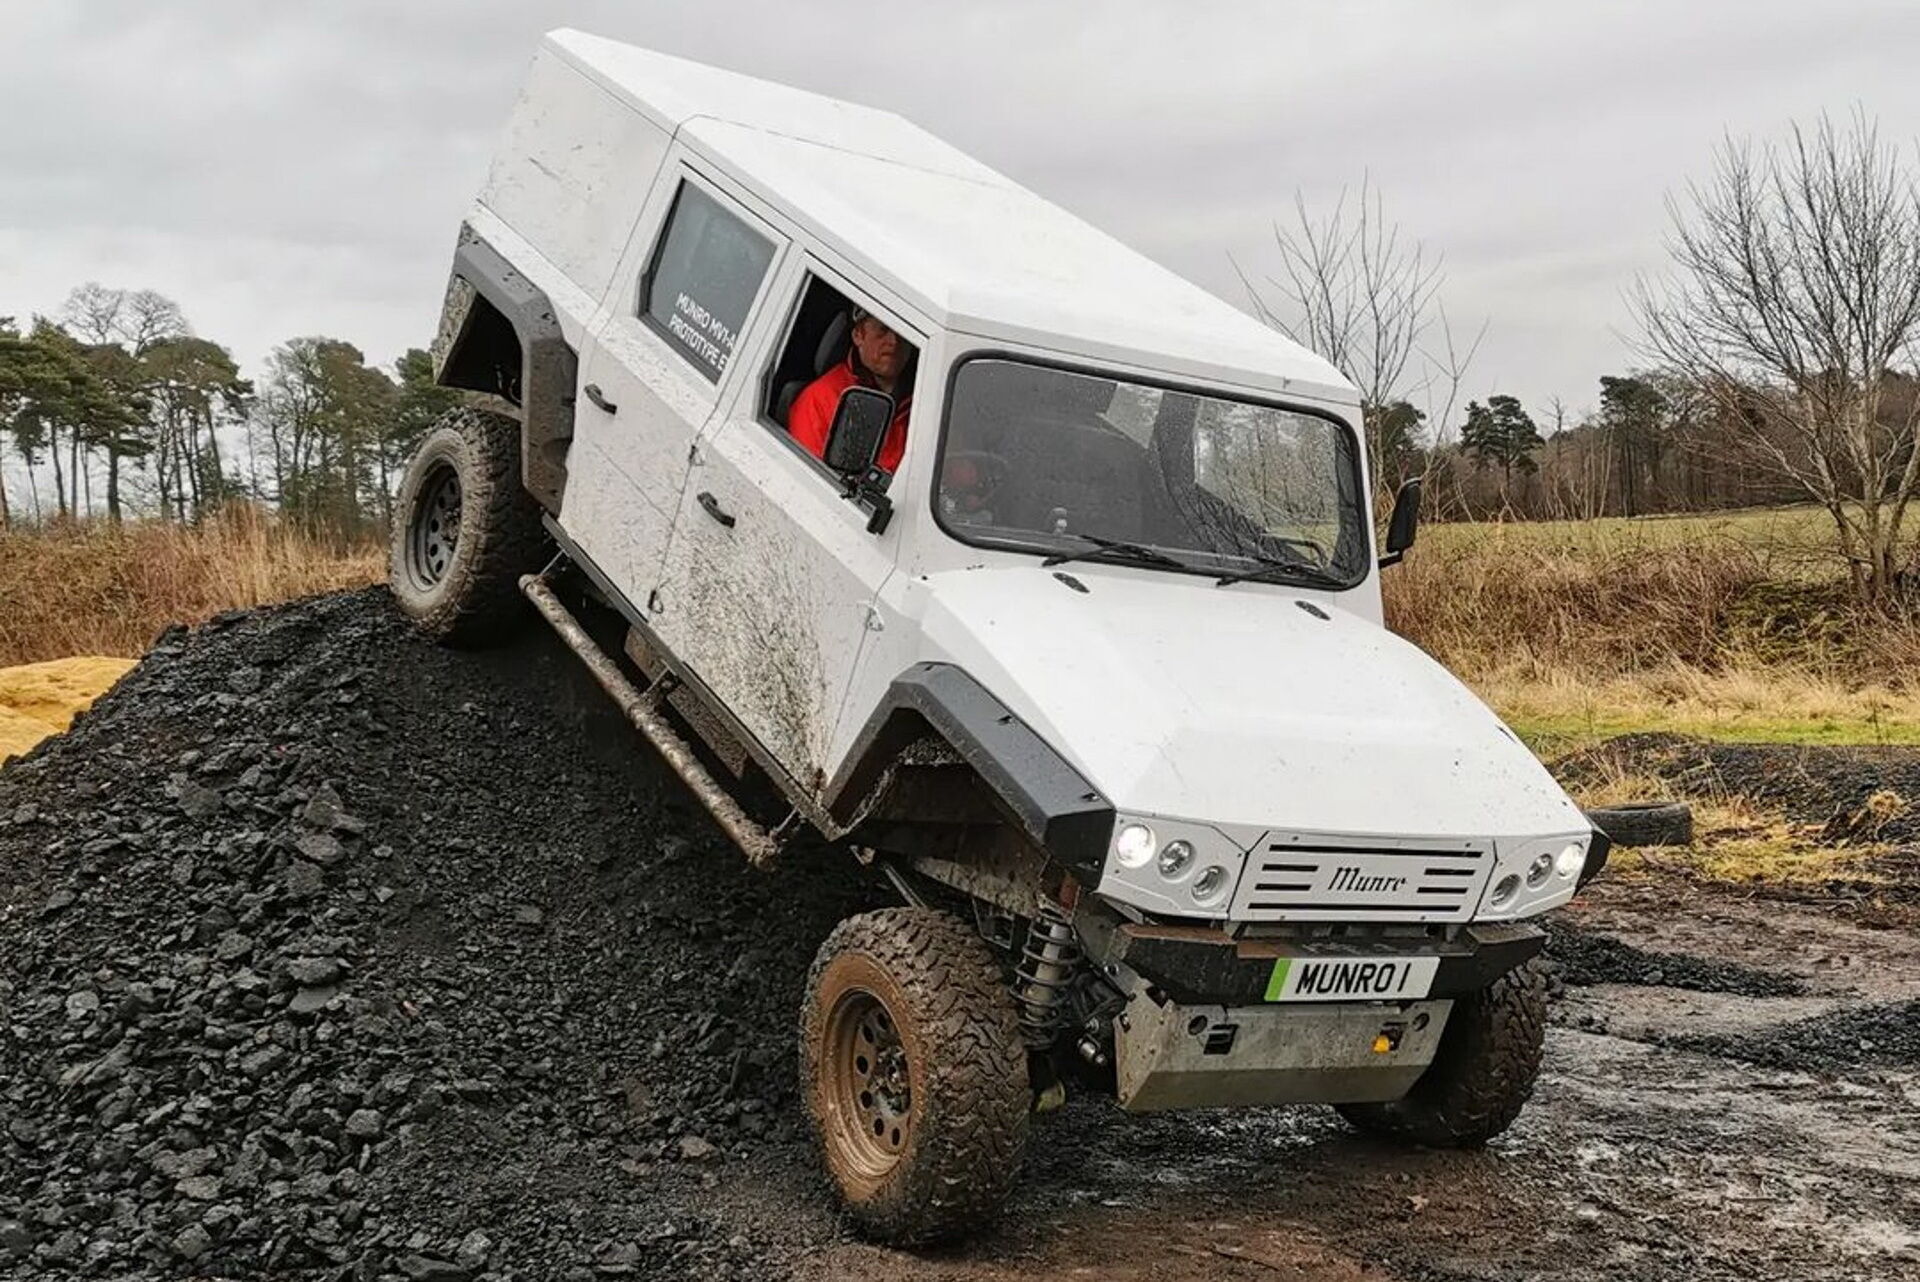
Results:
<point x="287" y="169"/>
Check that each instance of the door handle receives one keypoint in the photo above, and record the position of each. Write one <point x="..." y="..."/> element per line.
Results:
<point x="714" y="509"/>
<point x="599" y="399"/>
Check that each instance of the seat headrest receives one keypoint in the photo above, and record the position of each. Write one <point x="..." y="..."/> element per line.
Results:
<point x="833" y="343"/>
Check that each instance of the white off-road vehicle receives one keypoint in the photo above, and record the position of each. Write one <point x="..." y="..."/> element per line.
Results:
<point x="1093" y="670"/>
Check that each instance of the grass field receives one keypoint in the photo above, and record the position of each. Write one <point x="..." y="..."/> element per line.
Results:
<point x="101" y="590"/>
<point x="1730" y="625"/>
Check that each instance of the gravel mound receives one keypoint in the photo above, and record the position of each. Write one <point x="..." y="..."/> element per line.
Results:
<point x="325" y="953"/>
<point x="1584" y="958"/>
<point x="1887" y="1035"/>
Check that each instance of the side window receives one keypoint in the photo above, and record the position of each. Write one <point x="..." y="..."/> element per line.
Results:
<point x="703" y="279"/>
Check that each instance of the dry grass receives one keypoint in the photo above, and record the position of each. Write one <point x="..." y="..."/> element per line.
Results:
<point x="1719" y="626"/>
<point x="1739" y="842"/>
<point x="95" y="589"/>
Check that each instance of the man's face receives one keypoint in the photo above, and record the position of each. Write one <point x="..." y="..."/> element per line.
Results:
<point x="881" y="350"/>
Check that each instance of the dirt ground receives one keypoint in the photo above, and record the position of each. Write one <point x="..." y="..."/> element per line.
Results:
<point x="1636" y="1159"/>
<point x="327" y="955"/>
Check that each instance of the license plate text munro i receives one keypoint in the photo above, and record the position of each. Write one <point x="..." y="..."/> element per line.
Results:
<point x="1321" y="979"/>
<point x="906" y="515"/>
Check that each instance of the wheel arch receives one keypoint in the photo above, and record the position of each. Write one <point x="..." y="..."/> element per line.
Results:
<point x="1052" y="804"/>
<point x="499" y="335"/>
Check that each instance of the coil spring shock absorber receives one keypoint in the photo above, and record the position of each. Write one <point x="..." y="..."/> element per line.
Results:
<point x="1047" y="960"/>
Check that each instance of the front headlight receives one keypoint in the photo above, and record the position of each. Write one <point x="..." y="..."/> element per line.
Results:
<point x="1175" y="857"/>
<point x="1172" y="866"/>
<point x="1571" y="860"/>
<point x="1133" y="845"/>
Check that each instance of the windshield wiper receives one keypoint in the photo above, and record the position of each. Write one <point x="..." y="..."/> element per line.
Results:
<point x="1116" y="549"/>
<point x="1275" y="570"/>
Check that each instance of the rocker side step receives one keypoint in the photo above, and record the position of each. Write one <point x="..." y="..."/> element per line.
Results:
<point x="643" y="710"/>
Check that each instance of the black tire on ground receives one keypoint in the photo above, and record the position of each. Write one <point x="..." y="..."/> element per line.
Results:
<point x="1482" y="1074"/>
<point x="465" y="530"/>
<point x="914" y="1074"/>
<point x="1646" y="823"/>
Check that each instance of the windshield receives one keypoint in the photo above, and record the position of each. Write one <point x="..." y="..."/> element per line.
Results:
<point x="1073" y="464"/>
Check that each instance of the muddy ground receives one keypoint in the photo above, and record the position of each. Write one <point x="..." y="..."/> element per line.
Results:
<point x="324" y="954"/>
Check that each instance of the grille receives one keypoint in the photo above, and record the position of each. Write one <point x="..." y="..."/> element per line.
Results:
<point x="1298" y="877"/>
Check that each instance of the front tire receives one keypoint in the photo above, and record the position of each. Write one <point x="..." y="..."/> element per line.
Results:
<point x="1482" y="1074"/>
<point x="465" y="530"/>
<point x="914" y="1074"/>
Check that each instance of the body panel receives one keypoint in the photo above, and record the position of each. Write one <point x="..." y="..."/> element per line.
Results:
<point x="1235" y="706"/>
<point x="573" y="168"/>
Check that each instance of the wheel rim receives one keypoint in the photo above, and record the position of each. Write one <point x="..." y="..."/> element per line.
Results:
<point x="434" y="532"/>
<point x="868" y="1084"/>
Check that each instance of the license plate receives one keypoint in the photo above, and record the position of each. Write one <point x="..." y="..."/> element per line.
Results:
<point x="1350" y="979"/>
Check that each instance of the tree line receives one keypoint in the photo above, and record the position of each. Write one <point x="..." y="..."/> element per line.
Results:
<point x="116" y="408"/>
<point x="1781" y="355"/>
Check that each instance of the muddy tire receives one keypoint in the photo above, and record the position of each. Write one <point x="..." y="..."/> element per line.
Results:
<point x="465" y="530"/>
<point x="914" y="1074"/>
<point x="1481" y="1076"/>
<point x="1646" y="823"/>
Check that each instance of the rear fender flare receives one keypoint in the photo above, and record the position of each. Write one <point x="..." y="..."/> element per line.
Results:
<point x="485" y="289"/>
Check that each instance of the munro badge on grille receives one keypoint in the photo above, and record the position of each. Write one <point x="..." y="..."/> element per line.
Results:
<point x="1305" y="877"/>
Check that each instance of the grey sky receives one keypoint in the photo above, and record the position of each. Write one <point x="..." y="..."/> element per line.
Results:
<point x="287" y="169"/>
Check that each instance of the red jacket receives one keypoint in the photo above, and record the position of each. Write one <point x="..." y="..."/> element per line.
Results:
<point x="811" y="417"/>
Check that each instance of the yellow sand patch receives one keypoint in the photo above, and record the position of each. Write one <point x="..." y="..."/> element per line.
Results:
<point x="39" y="699"/>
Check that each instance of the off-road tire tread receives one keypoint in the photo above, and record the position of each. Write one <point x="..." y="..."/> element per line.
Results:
<point x="1659" y="823"/>
<point x="501" y="537"/>
<point x="971" y="1137"/>
<point x="1481" y="1076"/>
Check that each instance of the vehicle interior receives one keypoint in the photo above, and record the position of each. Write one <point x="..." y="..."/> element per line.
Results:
<point x="819" y="339"/>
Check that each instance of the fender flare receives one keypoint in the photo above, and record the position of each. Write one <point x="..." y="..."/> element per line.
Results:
<point x="1056" y="807"/>
<point x="549" y="367"/>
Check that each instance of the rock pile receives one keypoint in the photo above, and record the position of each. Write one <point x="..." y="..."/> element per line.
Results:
<point x="325" y="953"/>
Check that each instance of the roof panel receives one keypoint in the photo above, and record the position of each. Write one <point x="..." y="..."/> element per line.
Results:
<point x="973" y="249"/>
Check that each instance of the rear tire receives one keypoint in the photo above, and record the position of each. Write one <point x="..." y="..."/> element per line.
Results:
<point x="465" y="530"/>
<point x="1481" y="1076"/>
<point x="914" y="1074"/>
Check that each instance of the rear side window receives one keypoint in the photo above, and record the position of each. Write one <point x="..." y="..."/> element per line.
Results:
<point x="705" y="274"/>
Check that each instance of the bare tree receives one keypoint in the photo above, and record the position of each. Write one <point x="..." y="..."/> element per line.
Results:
<point x="1354" y="288"/>
<point x="1794" y="301"/>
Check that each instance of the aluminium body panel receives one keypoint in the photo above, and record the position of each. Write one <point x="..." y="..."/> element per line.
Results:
<point x="572" y="169"/>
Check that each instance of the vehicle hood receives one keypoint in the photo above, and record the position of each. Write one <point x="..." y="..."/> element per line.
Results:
<point x="1240" y="706"/>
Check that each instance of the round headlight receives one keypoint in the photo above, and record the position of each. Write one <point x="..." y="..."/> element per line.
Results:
<point x="1175" y="858"/>
<point x="1571" y="860"/>
<point x="1540" y="869"/>
<point x="1133" y="845"/>
<point x="1208" y="885"/>
<point x="1505" y="889"/>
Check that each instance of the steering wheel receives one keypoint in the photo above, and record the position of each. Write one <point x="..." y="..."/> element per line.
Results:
<point x="1309" y="548"/>
<point x="970" y="478"/>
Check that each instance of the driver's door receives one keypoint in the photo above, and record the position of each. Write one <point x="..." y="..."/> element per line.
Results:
<point x="770" y="582"/>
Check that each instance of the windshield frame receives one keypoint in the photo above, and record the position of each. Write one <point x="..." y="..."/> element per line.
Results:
<point x="1009" y="543"/>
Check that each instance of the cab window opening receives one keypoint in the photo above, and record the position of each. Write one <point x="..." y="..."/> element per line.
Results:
<point x="834" y="343"/>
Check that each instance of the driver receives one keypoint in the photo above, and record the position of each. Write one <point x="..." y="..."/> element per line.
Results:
<point x="877" y="359"/>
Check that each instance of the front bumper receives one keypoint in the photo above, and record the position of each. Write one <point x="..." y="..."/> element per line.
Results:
<point x="1202" y="965"/>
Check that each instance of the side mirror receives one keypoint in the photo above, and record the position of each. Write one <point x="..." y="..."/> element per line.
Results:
<point x="1403" y="524"/>
<point x="860" y="424"/>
